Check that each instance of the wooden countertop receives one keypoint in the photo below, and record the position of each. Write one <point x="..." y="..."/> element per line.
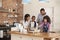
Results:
<point x="41" y="35"/>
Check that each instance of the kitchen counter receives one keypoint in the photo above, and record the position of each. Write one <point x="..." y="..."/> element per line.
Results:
<point x="39" y="35"/>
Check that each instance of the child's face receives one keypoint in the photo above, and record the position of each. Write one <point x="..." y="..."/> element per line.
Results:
<point x="28" y="18"/>
<point x="33" y="18"/>
<point x="45" y="20"/>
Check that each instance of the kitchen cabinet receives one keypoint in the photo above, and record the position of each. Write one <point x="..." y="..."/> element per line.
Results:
<point x="15" y="37"/>
<point x="37" y="38"/>
<point x="40" y="36"/>
<point x="21" y="37"/>
<point x="26" y="38"/>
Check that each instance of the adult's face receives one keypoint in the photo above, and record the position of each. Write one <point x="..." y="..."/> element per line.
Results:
<point x="43" y="12"/>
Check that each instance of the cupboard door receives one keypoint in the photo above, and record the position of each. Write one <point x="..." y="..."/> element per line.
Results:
<point x="26" y="38"/>
<point x="37" y="38"/>
<point x="21" y="37"/>
<point x="15" y="37"/>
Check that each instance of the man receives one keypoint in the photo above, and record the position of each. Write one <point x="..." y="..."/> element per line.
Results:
<point x="41" y="15"/>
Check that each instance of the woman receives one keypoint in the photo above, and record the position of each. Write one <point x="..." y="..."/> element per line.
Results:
<point x="26" y="21"/>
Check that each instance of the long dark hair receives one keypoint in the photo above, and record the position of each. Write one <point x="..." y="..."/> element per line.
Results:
<point x="48" y="19"/>
<point x="26" y="16"/>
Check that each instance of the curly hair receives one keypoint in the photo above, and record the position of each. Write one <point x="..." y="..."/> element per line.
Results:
<point x="48" y="19"/>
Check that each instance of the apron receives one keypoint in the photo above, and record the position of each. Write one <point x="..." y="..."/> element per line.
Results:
<point x="45" y="27"/>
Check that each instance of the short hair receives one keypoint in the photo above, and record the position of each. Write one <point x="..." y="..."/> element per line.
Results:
<point x="42" y="9"/>
<point x="26" y="16"/>
<point x="33" y="16"/>
<point x="48" y="19"/>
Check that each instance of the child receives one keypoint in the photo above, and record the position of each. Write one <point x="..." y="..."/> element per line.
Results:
<point x="26" y="21"/>
<point x="45" y="24"/>
<point x="33" y="23"/>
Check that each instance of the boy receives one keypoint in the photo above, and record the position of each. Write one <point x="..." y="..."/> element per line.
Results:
<point x="33" y="23"/>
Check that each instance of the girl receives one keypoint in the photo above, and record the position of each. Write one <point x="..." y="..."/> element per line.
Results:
<point x="45" y="24"/>
<point x="26" y="21"/>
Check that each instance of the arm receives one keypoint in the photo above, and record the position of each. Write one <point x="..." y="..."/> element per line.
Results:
<point x="41" y="25"/>
<point x="38" y="20"/>
<point x="48" y="26"/>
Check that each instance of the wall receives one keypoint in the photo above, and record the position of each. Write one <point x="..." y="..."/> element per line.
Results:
<point x="34" y="6"/>
<point x="11" y="5"/>
<point x="57" y="15"/>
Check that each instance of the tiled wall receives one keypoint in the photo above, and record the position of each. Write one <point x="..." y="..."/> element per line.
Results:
<point x="12" y="4"/>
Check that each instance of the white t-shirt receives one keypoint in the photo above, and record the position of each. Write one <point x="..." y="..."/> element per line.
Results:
<point x="26" y="24"/>
<point x="32" y="26"/>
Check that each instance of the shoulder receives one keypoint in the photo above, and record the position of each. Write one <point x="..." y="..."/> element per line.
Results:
<point x="39" y="15"/>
